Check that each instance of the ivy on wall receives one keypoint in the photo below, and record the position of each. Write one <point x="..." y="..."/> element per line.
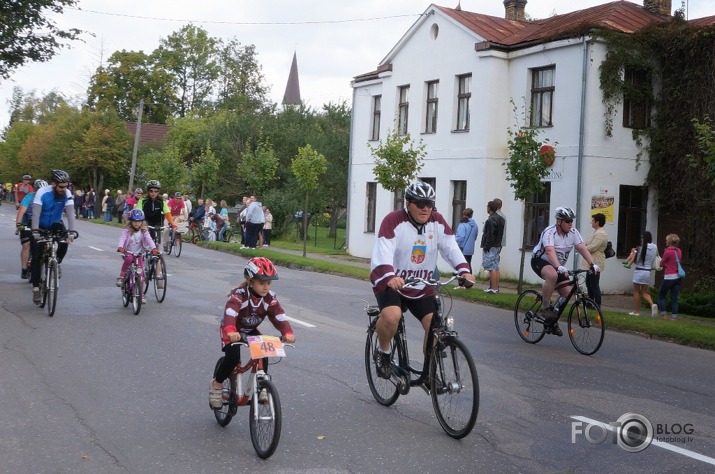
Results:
<point x="679" y="60"/>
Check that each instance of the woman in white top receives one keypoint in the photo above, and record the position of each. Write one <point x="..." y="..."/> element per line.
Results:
<point x="641" y="258"/>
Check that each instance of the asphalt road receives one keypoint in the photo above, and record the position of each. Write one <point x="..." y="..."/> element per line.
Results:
<point x="97" y="389"/>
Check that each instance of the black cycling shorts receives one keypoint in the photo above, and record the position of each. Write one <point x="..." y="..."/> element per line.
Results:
<point x="419" y="308"/>
<point x="538" y="264"/>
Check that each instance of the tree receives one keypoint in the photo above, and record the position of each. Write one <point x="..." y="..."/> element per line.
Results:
<point x="259" y="167"/>
<point x="28" y="35"/>
<point x="204" y="173"/>
<point x="241" y="84"/>
<point x="527" y="166"/>
<point x="190" y="57"/>
<point x="397" y="161"/>
<point x="308" y="166"/>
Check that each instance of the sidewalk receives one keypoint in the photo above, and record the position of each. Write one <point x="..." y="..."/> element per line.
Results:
<point x="609" y="302"/>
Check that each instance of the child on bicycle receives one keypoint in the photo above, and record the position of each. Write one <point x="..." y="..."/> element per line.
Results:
<point x="247" y="306"/>
<point x="135" y="238"/>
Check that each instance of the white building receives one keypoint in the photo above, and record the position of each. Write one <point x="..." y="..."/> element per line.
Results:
<point x="449" y="82"/>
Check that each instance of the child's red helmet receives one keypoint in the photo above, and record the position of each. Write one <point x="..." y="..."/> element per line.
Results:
<point x="260" y="268"/>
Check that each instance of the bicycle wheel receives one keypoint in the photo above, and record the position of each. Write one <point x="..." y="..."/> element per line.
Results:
<point x="177" y="244"/>
<point x="233" y="237"/>
<point x="193" y="235"/>
<point x="162" y="281"/>
<point x="127" y="292"/>
<point x="205" y="235"/>
<point x="586" y="326"/>
<point x="454" y="387"/>
<point x="52" y="288"/>
<point x="137" y="295"/>
<point x="223" y="414"/>
<point x="527" y="305"/>
<point x="43" y="283"/>
<point x="384" y="390"/>
<point x="149" y="269"/>
<point x="265" y="426"/>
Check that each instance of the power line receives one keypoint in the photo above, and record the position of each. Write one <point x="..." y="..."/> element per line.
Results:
<point x="258" y="23"/>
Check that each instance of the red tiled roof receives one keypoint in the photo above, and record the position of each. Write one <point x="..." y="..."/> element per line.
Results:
<point x="150" y="132"/>
<point x="705" y="21"/>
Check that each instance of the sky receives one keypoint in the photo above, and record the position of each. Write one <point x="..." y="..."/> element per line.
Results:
<point x="334" y="40"/>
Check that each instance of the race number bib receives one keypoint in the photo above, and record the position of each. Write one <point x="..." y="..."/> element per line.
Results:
<point x="265" y="346"/>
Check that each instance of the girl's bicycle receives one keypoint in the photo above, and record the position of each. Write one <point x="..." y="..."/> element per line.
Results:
<point x="585" y="323"/>
<point x="49" y="266"/>
<point x="448" y="373"/>
<point x="257" y="391"/>
<point x="132" y="285"/>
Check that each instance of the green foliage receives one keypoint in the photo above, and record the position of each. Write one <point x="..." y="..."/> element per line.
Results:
<point x="398" y="161"/>
<point x="259" y="167"/>
<point x="308" y="166"/>
<point x="526" y="167"/>
<point x="204" y="172"/>
<point x="166" y="166"/>
<point x="27" y="33"/>
<point x="680" y="59"/>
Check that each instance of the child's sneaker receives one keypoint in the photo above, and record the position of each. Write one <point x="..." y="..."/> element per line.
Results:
<point x="215" y="396"/>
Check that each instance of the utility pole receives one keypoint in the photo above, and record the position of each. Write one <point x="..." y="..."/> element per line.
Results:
<point x="137" y="134"/>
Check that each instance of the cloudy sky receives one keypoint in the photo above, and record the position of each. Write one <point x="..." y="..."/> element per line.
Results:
<point x="334" y="39"/>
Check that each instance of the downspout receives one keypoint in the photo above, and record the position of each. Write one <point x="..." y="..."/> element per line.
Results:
<point x="350" y="168"/>
<point x="581" y="136"/>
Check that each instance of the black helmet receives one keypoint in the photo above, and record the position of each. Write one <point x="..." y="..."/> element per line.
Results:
<point x="59" y="176"/>
<point x="153" y="184"/>
<point x="564" y="213"/>
<point x="419" y="191"/>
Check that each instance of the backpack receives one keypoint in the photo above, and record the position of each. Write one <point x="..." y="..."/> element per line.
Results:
<point x="609" y="252"/>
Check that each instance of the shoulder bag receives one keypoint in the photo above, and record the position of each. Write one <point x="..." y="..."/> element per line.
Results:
<point x="681" y="272"/>
<point x="656" y="263"/>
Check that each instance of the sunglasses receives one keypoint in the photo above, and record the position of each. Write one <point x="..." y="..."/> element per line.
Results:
<point x="153" y="190"/>
<point x="62" y="187"/>
<point x="423" y="204"/>
<point x="567" y="221"/>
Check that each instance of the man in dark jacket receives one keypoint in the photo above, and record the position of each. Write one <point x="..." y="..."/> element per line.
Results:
<point x="491" y="246"/>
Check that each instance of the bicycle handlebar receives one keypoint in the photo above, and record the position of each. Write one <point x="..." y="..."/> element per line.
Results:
<point x="412" y="281"/>
<point x="50" y="235"/>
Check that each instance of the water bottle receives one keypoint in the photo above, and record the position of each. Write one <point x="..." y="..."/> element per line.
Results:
<point x="561" y="301"/>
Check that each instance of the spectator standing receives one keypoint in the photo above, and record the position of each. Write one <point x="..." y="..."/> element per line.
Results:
<point x="119" y="205"/>
<point x="78" y="203"/>
<point x="254" y="218"/>
<point x="498" y="202"/>
<point x="187" y="204"/>
<point x="596" y="245"/>
<point x="643" y="258"/>
<point x="467" y="232"/>
<point x="268" y="226"/>
<point x="89" y="201"/>
<point x="672" y="255"/>
<point x="491" y="246"/>
<point x="107" y="205"/>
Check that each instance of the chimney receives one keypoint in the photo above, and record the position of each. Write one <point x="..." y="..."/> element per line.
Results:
<point x="515" y="9"/>
<point x="661" y="7"/>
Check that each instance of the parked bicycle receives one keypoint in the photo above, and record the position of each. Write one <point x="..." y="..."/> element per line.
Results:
<point x="49" y="266"/>
<point x="448" y="373"/>
<point x="585" y="323"/>
<point x="251" y="385"/>
<point x="132" y="284"/>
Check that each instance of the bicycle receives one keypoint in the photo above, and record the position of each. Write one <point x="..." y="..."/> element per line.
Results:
<point x="174" y="244"/>
<point x="585" y="324"/>
<point x="448" y="373"/>
<point x="150" y="277"/>
<point x="49" y="266"/>
<point x="132" y="284"/>
<point x="256" y="390"/>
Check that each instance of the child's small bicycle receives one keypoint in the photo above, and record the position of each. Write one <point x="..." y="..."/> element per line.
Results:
<point x="132" y="284"/>
<point x="256" y="390"/>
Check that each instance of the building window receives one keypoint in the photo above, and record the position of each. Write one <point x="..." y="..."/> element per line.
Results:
<point x="459" y="201"/>
<point x="542" y="96"/>
<point x="631" y="218"/>
<point x="537" y="215"/>
<point x="376" y="109"/>
<point x="636" y="108"/>
<point x="403" y="109"/>
<point x="431" y="116"/>
<point x="370" y="200"/>
<point x="464" y="95"/>
<point x="399" y="201"/>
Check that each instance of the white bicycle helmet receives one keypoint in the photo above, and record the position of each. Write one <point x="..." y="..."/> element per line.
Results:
<point x="564" y="213"/>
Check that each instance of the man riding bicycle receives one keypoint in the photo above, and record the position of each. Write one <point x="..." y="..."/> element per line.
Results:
<point x="47" y="208"/>
<point x="155" y="209"/>
<point x="549" y="257"/>
<point x="407" y="245"/>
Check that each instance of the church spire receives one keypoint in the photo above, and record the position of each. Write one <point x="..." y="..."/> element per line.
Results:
<point x="292" y="93"/>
